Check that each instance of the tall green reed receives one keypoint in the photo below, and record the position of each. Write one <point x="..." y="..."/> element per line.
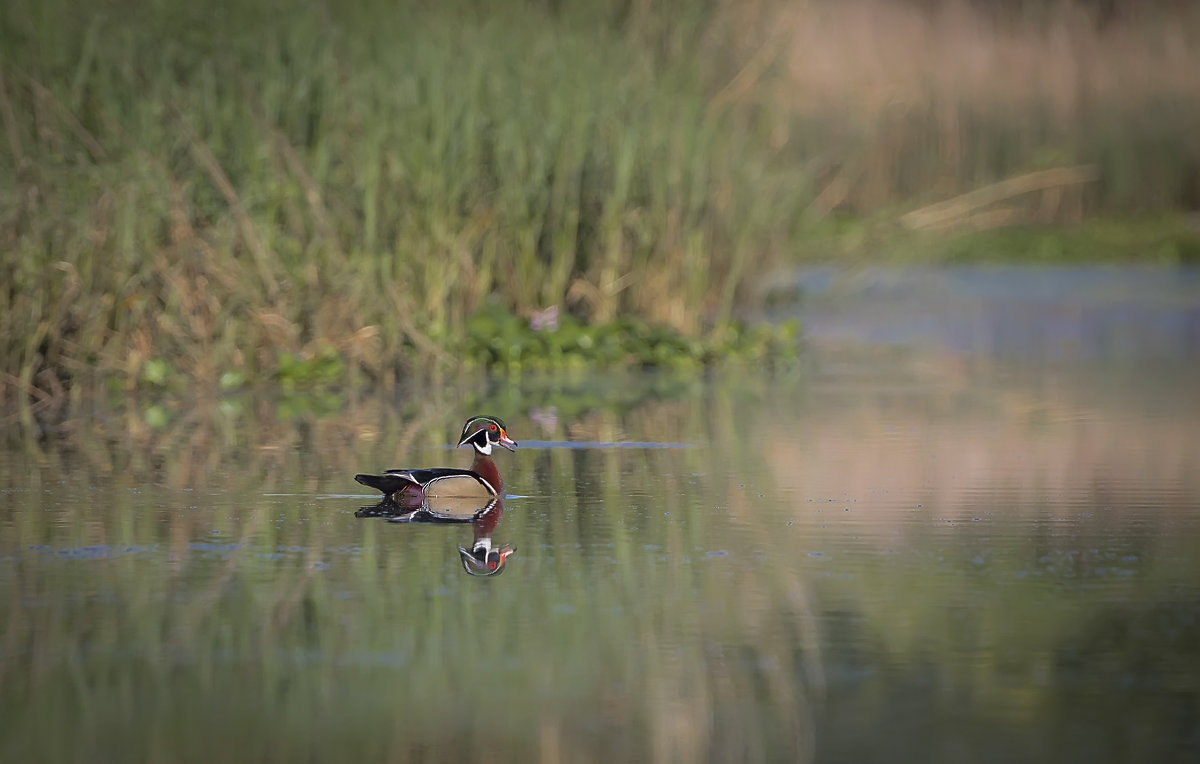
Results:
<point x="207" y="189"/>
<point x="214" y="188"/>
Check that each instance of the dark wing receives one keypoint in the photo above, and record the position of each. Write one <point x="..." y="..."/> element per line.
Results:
<point x="390" y="481"/>
<point x="396" y="480"/>
<point x="427" y="476"/>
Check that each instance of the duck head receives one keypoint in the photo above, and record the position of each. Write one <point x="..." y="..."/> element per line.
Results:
<point x="483" y="432"/>
<point x="483" y="559"/>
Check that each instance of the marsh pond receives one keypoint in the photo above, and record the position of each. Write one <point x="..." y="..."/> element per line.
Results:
<point x="967" y="530"/>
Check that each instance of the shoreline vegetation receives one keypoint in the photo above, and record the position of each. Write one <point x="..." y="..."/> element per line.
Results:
<point x="347" y="194"/>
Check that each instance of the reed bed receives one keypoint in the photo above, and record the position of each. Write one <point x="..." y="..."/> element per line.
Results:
<point x="210" y="196"/>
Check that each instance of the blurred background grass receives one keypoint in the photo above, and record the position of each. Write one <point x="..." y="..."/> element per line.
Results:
<point x="246" y="191"/>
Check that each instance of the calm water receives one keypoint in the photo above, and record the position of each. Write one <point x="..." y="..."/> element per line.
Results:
<point x="884" y="554"/>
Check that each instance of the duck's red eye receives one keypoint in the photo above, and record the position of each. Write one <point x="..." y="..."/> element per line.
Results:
<point x="492" y="427"/>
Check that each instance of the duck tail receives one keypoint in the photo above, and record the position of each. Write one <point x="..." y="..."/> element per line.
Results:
<point x="388" y="484"/>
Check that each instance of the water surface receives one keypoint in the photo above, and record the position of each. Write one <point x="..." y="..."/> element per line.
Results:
<point x="882" y="554"/>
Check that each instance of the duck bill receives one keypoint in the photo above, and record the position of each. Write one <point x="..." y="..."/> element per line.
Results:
<point x="506" y="441"/>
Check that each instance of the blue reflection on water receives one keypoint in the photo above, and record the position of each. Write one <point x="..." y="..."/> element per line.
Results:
<point x="594" y="445"/>
<point x="1007" y="311"/>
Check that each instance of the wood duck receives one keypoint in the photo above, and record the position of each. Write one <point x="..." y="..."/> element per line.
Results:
<point x="414" y="488"/>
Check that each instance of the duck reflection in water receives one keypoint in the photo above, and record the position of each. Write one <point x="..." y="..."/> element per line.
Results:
<point x="484" y="558"/>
